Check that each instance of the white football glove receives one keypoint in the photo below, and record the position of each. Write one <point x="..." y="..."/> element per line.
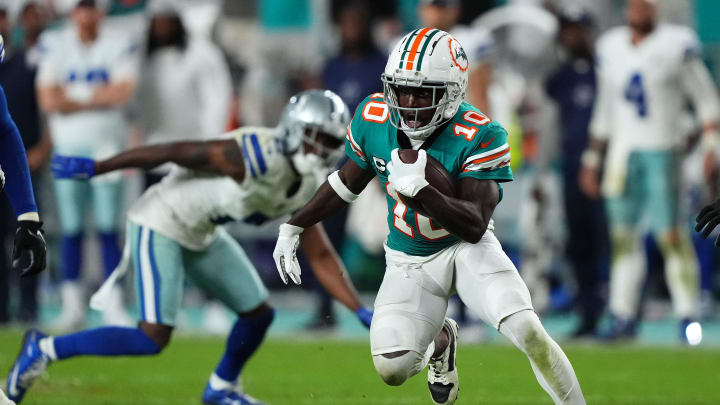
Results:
<point x="285" y="253"/>
<point x="407" y="178"/>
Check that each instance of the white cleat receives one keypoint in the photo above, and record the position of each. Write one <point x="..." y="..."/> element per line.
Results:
<point x="443" y="380"/>
<point x="4" y="400"/>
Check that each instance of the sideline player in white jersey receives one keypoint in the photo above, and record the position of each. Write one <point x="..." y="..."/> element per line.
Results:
<point x="86" y="76"/>
<point x="453" y="248"/>
<point x="646" y="72"/>
<point x="256" y="174"/>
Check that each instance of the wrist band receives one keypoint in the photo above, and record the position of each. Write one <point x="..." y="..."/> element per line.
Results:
<point x="590" y="158"/>
<point x="29" y="216"/>
<point x="340" y="188"/>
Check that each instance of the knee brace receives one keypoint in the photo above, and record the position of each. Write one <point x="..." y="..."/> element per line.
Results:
<point x="395" y="371"/>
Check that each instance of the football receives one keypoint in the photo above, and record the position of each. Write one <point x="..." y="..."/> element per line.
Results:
<point x="435" y="174"/>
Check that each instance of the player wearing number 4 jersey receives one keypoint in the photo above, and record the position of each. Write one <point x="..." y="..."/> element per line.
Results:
<point x="453" y="248"/>
<point x="646" y="72"/>
<point x="254" y="174"/>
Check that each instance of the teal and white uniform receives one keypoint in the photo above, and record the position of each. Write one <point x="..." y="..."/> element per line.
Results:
<point x="425" y="264"/>
<point x="470" y="145"/>
<point x="174" y="229"/>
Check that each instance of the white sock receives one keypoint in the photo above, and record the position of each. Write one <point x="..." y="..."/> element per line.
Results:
<point x="551" y="367"/>
<point x="219" y="384"/>
<point x="47" y="346"/>
<point x="682" y="276"/>
<point x="627" y="274"/>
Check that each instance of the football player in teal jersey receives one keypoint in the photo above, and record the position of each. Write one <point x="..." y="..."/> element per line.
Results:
<point x="453" y="248"/>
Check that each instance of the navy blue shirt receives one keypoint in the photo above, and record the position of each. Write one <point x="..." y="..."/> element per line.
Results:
<point x="14" y="163"/>
<point x="353" y="80"/>
<point x="17" y="78"/>
<point x="573" y="87"/>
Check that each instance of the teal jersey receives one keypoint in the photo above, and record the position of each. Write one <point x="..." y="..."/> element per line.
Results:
<point x="470" y="145"/>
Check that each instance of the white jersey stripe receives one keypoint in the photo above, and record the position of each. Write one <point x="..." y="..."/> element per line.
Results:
<point x="492" y="164"/>
<point x="488" y="153"/>
<point x="354" y="145"/>
<point x="148" y="283"/>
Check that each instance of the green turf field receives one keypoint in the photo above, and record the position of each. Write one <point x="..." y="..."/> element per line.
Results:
<point x="335" y="372"/>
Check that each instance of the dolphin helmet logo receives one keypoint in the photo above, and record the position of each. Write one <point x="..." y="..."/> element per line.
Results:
<point x="458" y="55"/>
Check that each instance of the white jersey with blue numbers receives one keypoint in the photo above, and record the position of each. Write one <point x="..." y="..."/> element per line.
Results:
<point x="80" y="69"/>
<point x="643" y="88"/>
<point x="188" y="205"/>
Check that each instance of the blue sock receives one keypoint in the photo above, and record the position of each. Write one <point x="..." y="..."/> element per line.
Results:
<point x="110" y="251"/>
<point x="105" y="341"/>
<point x="70" y="255"/>
<point x="244" y="339"/>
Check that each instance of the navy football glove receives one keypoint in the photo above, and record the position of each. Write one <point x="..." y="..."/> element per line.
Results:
<point x="29" y="243"/>
<point x="709" y="218"/>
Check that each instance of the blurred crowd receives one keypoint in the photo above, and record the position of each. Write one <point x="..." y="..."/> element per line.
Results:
<point x="192" y="69"/>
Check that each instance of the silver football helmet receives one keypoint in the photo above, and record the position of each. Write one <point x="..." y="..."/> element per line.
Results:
<point x="315" y="122"/>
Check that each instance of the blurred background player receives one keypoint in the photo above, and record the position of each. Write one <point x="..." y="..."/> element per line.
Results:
<point x="573" y="87"/>
<point x="477" y="42"/>
<point x="85" y="79"/>
<point x="173" y="232"/>
<point x="645" y="72"/>
<point x="17" y="78"/>
<point x="184" y="88"/>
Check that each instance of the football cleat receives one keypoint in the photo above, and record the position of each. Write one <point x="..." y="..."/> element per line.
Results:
<point x="29" y="365"/>
<point x="227" y="397"/>
<point x="620" y="330"/>
<point x="4" y="400"/>
<point x="443" y="380"/>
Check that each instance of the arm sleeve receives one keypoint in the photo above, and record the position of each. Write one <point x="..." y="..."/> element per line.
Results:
<point x="14" y="163"/>
<point x="490" y="158"/>
<point x="697" y="83"/>
<point x="215" y="88"/>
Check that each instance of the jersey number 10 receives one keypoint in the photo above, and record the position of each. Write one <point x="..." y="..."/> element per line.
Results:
<point x="424" y="224"/>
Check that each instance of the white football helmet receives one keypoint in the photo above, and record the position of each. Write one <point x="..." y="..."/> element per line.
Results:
<point x="432" y="59"/>
<point x="309" y="113"/>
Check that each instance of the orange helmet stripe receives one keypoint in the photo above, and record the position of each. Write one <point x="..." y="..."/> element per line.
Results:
<point x="414" y="49"/>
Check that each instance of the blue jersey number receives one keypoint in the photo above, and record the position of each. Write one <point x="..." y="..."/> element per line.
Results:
<point x="635" y="93"/>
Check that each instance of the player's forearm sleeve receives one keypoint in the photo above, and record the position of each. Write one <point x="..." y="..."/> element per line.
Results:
<point x="14" y="163"/>
<point x="698" y="85"/>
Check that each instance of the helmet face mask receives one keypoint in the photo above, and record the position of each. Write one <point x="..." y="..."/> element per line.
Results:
<point x="416" y="108"/>
<point x="314" y="122"/>
<point x="431" y="60"/>
<point x="326" y="146"/>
